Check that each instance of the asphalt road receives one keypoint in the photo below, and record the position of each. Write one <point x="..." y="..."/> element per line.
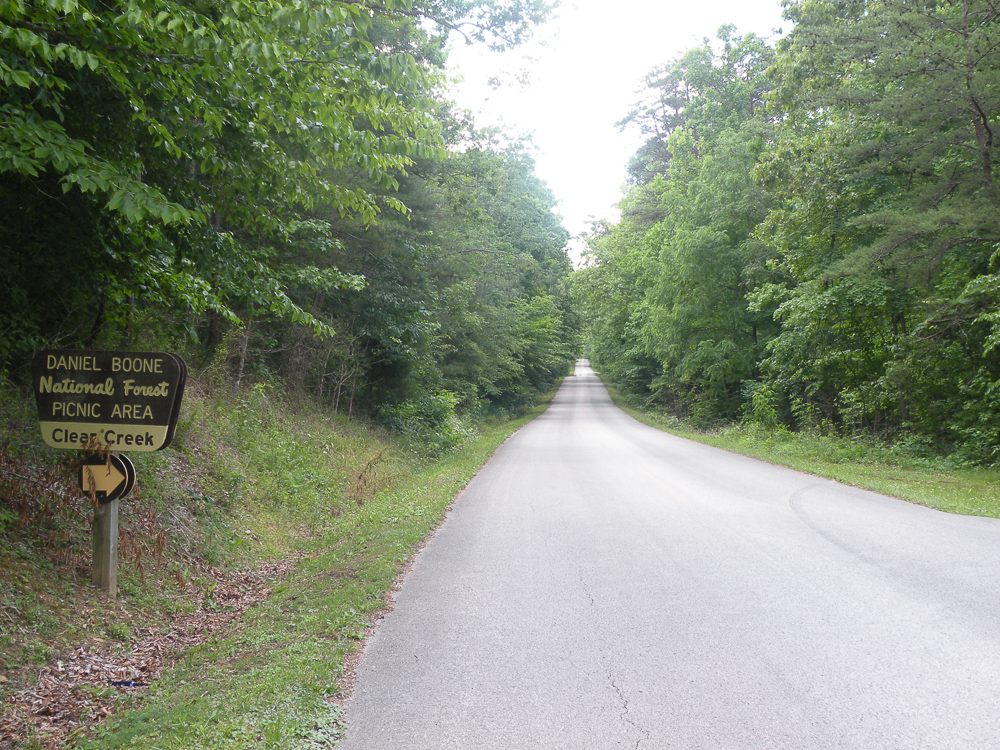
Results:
<point x="603" y="585"/>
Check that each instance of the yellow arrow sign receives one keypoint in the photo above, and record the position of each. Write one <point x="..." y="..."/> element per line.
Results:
<point x="105" y="477"/>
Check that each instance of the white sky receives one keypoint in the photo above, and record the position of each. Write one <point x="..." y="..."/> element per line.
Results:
<point x="585" y="69"/>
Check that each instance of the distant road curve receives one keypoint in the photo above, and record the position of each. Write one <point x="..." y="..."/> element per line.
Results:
<point x="601" y="584"/>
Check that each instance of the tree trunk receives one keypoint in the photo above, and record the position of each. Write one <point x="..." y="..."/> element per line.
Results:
<point x="242" y="358"/>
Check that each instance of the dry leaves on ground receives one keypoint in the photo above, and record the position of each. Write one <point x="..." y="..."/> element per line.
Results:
<point x="81" y="689"/>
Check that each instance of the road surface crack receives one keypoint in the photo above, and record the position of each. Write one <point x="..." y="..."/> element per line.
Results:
<point x="586" y="589"/>
<point x="624" y="715"/>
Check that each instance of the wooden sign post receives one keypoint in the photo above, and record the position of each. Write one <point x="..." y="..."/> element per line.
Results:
<point x="103" y="403"/>
<point x="106" y="480"/>
<point x="104" y="563"/>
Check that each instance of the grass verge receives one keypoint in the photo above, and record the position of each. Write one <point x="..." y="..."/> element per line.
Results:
<point x="891" y="470"/>
<point x="276" y="681"/>
<point x="287" y="528"/>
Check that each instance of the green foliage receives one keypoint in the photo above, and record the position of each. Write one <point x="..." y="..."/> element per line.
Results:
<point x="760" y="407"/>
<point x="673" y="278"/>
<point x="813" y="221"/>
<point x="189" y="140"/>
<point x="468" y="295"/>
<point x="280" y="188"/>
<point x="880" y="330"/>
<point x="430" y="422"/>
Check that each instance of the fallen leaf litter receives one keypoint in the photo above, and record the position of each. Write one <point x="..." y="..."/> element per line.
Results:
<point x="81" y="689"/>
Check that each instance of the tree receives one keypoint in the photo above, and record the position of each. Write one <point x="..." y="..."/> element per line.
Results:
<point x="884" y="180"/>
<point x="163" y="155"/>
<point x="686" y="248"/>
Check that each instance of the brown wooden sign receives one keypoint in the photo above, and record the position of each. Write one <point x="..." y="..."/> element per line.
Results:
<point x="121" y="401"/>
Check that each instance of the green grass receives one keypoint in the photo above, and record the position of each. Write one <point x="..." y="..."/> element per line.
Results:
<point x="276" y="680"/>
<point x="892" y="470"/>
